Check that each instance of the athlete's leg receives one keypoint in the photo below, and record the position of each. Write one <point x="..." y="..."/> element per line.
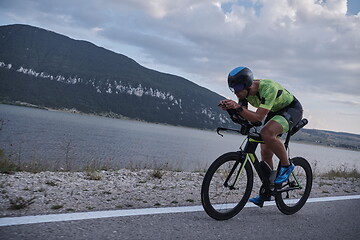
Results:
<point x="267" y="155"/>
<point x="269" y="134"/>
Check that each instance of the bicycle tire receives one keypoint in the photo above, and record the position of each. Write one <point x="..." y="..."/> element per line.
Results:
<point x="287" y="206"/>
<point x="221" y="202"/>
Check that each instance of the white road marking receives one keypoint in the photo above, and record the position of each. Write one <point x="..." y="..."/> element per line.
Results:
<point x="12" y="221"/>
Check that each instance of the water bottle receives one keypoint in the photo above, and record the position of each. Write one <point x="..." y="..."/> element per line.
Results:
<point x="300" y="125"/>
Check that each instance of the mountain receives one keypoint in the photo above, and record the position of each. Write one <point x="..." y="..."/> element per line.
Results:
<point x="47" y="69"/>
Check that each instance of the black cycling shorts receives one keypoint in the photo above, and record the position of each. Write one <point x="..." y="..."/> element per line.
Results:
<point x="288" y="117"/>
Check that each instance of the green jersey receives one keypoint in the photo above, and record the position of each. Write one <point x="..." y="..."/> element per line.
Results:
<point x="271" y="96"/>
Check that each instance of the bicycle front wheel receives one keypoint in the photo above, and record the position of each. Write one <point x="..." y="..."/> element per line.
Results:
<point x="224" y="190"/>
<point x="296" y="190"/>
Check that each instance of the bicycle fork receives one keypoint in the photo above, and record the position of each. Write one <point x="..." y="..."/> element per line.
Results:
<point x="243" y="160"/>
<point x="243" y="163"/>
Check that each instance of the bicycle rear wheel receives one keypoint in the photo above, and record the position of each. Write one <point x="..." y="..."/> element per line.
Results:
<point x="220" y="198"/>
<point x="297" y="189"/>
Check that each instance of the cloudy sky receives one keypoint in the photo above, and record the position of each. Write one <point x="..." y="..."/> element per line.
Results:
<point x="312" y="47"/>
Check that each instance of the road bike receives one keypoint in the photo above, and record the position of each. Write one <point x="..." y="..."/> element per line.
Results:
<point x="228" y="182"/>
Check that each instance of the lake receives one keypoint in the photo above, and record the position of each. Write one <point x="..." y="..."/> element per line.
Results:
<point x="61" y="139"/>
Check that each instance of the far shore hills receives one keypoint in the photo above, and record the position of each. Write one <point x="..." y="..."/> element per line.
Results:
<point x="342" y="140"/>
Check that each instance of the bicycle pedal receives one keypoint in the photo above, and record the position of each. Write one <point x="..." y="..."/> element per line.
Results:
<point x="292" y="184"/>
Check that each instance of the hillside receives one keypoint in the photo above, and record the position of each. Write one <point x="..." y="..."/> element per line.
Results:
<point x="329" y="138"/>
<point x="47" y="69"/>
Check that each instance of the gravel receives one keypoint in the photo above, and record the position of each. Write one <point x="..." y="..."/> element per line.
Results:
<point x="26" y="193"/>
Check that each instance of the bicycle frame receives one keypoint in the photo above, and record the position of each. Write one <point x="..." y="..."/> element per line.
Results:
<point x="249" y="154"/>
<point x="249" y="150"/>
<point x="253" y="140"/>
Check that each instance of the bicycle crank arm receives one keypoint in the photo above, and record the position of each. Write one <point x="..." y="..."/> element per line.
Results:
<point x="230" y="187"/>
<point x="287" y="189"/>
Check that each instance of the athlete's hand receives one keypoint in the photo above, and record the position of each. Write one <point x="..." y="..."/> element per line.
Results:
<point x="228" y="104"/>
<point x="222" y="104"/>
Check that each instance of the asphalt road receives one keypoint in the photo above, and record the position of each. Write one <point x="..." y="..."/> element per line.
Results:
<point x="322" y="220"/>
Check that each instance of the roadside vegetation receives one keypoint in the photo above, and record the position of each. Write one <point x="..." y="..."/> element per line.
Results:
<point x="341" y="173"/>
<point x="10" y="165"/>
<point x="20" y="203"/>
<point x="46" y="192"/>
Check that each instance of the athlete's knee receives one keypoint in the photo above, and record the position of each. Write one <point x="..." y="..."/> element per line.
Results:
<point x="268" y="134"/>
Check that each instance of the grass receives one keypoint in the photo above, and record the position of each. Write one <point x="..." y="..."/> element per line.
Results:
<point x="20" y="203"/>
<point x="94" y="175"/>
<point x="51" y="183"/>
<point x="321" y="184"/>
<point x="157" y="174"/>
<point x="58" y="206"/>
<point x="9" y="165"/>
<point x="341" y="173"/>
<point x="12" y="162"/>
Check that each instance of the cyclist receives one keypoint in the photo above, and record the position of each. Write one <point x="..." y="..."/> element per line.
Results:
<point x="280" y="109"/>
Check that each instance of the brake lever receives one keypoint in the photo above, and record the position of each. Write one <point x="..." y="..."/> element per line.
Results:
<point x="218" y="131"/>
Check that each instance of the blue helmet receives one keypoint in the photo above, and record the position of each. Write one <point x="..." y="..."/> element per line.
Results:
<point x="240" y="76"/>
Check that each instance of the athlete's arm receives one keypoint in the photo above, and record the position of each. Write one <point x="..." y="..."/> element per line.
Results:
<point x="257" y="116"/>
<point x="249" y="115"/>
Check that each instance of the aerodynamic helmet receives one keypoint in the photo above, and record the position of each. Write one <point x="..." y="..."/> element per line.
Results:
<point x="240" y="78"/>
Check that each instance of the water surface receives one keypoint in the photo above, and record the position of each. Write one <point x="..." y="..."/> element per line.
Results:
<point x="60" y="139"/>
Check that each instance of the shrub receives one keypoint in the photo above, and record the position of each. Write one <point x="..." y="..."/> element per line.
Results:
<point x="51" y="183"/>
<point x="7" y="166"/>
<point x="342" y="173"/>
<point x="157" y="174"/>
<point x="93" y="175"/>
<point x="20" y="203"/>
<point x="55" y="207"/>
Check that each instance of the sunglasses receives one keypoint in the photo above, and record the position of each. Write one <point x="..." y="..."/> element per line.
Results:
<point x="237" y="88"/>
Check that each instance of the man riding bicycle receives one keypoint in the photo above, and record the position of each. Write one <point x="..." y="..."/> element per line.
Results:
<point x="280" y="109"/>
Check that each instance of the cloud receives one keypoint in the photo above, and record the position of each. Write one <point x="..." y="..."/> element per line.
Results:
<point x="309" y="43"/>
<point x="312" y="42"/>
<point x="353" y="103"/>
